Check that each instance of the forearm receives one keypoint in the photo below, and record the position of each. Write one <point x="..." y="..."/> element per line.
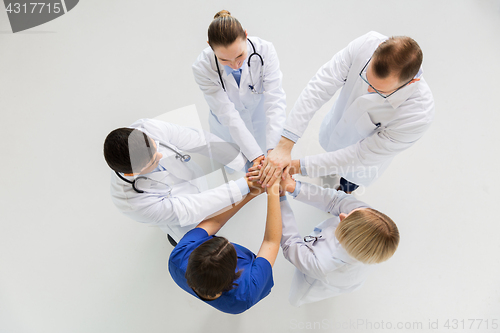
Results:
<point x="222" y="218"/>
<point x="328" y="199"/>
<point x="273" y="225"/>
<point x="285" y="145"/>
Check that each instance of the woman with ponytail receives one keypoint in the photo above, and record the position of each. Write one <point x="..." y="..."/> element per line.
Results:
<point x="242" y="84"/>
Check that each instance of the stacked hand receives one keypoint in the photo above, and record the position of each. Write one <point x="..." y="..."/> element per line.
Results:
<point x="276" y="164"/>
<point x="252" y="178"/>
<point x="255" y="184"/>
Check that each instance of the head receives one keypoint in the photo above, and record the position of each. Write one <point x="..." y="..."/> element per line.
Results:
<point x="130" y="151"/>
<point x="227" y="39"/>
<point x="211" y="267"/>
<point x="368" y="235"/>
<point x="394" y="63"/>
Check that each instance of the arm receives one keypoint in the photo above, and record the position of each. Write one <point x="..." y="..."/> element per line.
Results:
<point x="272" y="236"/>
<point x="274" y="97"/>
<point x="222" y="107"/>
<point x="214" y="224"/>
<point x="181" y="137"/>
<point x="193" y="140"/>
<point x="372" y="152"/>
<point x="184" y="209"/>
<point x="328" y="200"/>
<point x="329" y="78"/>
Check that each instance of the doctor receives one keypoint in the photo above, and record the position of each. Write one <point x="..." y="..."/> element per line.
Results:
<point x="241" y="81"/>
<point x="338" y="255"/>
<point x="384" y="107"/>
<point x="154" y="182"/>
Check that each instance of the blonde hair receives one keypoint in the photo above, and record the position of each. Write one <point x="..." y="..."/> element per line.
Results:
<point x="368" y="235"/>
<point x="224" y="30"/>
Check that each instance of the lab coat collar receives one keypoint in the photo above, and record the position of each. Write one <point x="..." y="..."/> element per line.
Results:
<point x="342" y="254"/>
<point x="403" y="94"/>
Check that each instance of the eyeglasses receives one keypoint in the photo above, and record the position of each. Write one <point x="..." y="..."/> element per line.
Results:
<point x="378" y="92"/>
<point x="312" y="239"/>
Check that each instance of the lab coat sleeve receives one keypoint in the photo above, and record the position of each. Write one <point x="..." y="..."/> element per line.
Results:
<point x="366" y="156"/>
<point x="274" y="98"/>
<point x="193" y="140"/>
<point x="223" y="108"/>
<point x="320" y="89"/>
<point x="190" y="208"/>
<point x="295" y="249"/>
<point x="328" y="199"/>
<point x="184" y="138"/>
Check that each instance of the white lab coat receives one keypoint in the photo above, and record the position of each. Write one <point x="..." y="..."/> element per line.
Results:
<point x="323" y="268"/>
<point x="253" y="121"/>
<point x="363" y="131"/>
<point x="190" y="201"/>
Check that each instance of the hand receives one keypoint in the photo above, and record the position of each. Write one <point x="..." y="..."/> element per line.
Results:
<point x="274" y="189"/>
<point x="257" y="161"/>
<point x="277" y="160"/>
<point x="294" y="168"/>
<point x="251" y="177"/>
<point x="288" y="184"/>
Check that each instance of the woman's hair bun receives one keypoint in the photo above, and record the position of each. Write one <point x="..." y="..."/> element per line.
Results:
<point x="222" y="13"/>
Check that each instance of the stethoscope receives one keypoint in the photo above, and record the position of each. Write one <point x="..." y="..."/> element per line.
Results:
<point x="183" y="158"/>
<point x="252" y="86"/>
<point x="179" y="156"/>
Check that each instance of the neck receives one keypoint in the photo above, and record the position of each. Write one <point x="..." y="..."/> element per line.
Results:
<point x="207" y="298"/>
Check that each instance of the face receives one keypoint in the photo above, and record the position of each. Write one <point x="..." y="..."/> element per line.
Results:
<point x="233" y="55"/>
<point x="154" y="161"/>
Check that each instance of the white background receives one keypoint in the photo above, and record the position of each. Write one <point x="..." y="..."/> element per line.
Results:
<point x="71" y="262"/>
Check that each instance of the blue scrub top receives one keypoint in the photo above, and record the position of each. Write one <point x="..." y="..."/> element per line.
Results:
<point x="254" y="283"/>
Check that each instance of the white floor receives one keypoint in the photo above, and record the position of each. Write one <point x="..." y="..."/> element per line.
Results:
<point x="70" y="262"/>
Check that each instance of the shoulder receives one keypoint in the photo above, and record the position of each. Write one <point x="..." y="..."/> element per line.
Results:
<point x="191" y="240"/>
<point x="366" y="44"/>
<point x="204" y="60"/>
<point x="420" y="105"/>
<point x="158" y="129"/>
<point x="262" y="46"/>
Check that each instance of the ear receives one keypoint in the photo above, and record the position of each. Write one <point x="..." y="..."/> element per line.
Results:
<point x="246" y="34"/>
<point x="342" y="216"/>
<point x="208" y="42"/>
<point x="414" y="80"/>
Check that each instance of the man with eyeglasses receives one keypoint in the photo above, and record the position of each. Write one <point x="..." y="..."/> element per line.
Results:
<point x="383" y="108"/>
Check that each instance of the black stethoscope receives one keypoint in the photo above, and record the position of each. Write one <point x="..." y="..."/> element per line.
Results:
<point x="179" y="156"/>
<point x="252" y="86"/>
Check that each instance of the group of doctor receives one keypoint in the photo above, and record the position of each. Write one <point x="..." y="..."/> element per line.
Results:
<point x="383" y="108"/>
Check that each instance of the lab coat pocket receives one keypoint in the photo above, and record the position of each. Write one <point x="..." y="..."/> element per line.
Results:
<point x="251" y="100"/>
<point x="365" y="126"/>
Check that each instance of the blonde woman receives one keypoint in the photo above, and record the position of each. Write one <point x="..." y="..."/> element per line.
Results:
<point x="338" y="255"/>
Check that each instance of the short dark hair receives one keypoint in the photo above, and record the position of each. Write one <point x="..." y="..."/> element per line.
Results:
<point x="127" y="150"/>
<point x="398" y="55"/>
<point x="211" y="267"/>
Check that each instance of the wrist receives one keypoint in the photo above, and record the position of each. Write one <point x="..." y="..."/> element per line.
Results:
<point x="294" y="167"/>
<point x="285" y="143"/>
<point x="290" y="186"/>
